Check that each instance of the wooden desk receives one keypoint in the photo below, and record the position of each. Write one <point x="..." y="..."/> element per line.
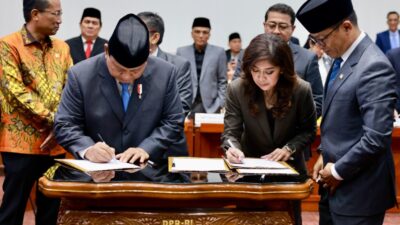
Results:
<point x="140" y="202"/>
<point x="207" y="144"/>
<point x="207" y="140"/>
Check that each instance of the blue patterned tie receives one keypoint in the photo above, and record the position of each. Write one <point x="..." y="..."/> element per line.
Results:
<point x="334" y="71"/>
<point x="125" y="95"/>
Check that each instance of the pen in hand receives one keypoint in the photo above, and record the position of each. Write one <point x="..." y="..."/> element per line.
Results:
<point x="151" y="163"/>
<point x="102" y="140"/>
<point x="234" y="154"/>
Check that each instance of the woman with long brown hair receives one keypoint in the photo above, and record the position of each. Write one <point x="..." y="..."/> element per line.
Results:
<point x="270" y="111"/>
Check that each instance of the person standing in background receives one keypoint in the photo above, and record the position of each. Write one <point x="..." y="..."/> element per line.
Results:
<point x="208" y="69"/>
<point x="355" y="167"/>
<point x="155" y="25"/>
<point x="233" y="54"/>
<point x="89" y="43"/>
<point x="33" y="71"/>
<point x="390" y="38"/>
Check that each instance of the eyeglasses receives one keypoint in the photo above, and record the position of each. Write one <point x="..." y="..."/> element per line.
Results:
<point x="321" y="41"/>
<point x="281" y="26"/>
<point x="56" y="13"/>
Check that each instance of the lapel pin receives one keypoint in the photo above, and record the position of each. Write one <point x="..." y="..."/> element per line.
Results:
<point x="139" y="90"/>
<point x="341" y="76"/>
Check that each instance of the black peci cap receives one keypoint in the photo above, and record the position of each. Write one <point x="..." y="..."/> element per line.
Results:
<point x="234" y="36"/>
<point x="201" y="22"/>
<point x="318" y="15"/>
<point x="91" y="12"/>
<point x="129" y="43"/>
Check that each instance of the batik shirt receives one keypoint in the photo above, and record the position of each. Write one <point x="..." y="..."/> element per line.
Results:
<point x="32" y="76"/>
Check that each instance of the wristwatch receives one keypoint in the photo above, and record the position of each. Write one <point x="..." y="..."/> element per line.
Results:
<point x="290" y="149"/>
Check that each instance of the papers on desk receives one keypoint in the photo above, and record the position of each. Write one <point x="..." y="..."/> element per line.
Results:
<point x="214" y="118"/>
<point x="250" y="166"/>
<point x="261" y="166"/>
<point x="396" y="123"/>
<point x="287" y="171"/>
<point x="194" y="164"/>
<point x="87" y="166"/>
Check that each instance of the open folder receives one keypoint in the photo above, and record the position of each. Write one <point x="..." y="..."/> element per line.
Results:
<point x="261" y="166"/>
<point x="87" y="166"/>
<point x="249" y="166"/>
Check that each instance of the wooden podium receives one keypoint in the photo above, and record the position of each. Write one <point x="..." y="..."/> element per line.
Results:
<point x="168" y="203"/>
<point x="207" y="144"/>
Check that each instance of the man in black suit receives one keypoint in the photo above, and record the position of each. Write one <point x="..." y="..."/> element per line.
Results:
<point x="89" y="43"/>
<point x="155" y="25"/>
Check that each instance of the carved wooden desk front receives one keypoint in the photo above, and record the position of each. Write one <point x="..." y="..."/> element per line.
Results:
<point x="176" y="199"/>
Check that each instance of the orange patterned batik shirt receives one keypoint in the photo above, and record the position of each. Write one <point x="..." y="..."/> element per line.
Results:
<point x="32" y="76"/>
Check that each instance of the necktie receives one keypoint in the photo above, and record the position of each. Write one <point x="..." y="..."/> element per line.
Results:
<point x="125" y="95"/>
<point x="88" y="48"/>
<point x="334" y="71"/>
<point x="394" y="40"/>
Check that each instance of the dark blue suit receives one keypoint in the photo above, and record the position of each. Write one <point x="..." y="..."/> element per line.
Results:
<point x="394" y="57"/>
<point x="356" y="129"/>
<point x="383" y="41"/>
<point x="91" y="104"/>
<point x="77" y="51"/>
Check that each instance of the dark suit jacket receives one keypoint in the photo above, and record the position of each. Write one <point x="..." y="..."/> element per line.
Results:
<point x="183" y="79"/>
<point x="77" y="51"/>
<point x="383" y="41"/>
<point x="228" y="55"/>
<point x="252" y="134"/>
<point x="356" y="132"/>
<point x="394" y="57"/>
<point x="91" y="104"/>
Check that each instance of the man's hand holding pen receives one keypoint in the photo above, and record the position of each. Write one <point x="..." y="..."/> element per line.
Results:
<point x="100" y="153"/>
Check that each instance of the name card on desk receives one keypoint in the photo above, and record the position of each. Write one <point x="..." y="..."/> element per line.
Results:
<point x="214" y="118"/>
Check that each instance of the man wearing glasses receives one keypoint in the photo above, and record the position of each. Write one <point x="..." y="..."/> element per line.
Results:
<point x="279" y="20"/>
<point x="33" y="69"/>
<point x="356" y="167"/>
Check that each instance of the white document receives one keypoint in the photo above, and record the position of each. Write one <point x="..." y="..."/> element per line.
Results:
<point x="194" y="164"/>
<point x="214" y="118"/>
<point x="87" y="166"/>
<point x="396" y="123"/>
<point x="268" y="171"/>
<point x="257" y="163"/>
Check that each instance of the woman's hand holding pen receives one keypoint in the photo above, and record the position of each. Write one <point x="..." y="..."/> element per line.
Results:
<point x="234" y="155"/>
<point x="100" y="153"/>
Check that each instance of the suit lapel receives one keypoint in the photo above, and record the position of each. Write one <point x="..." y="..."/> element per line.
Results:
<point x="344" y="73"/>
<point x="97" y="47"/>
<point x="162" y="55"/>
<point x="79" y="46"/>
<point x="294" y="51"/>
<point x="207" y="57"/>
<point x="110" y="92"/>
